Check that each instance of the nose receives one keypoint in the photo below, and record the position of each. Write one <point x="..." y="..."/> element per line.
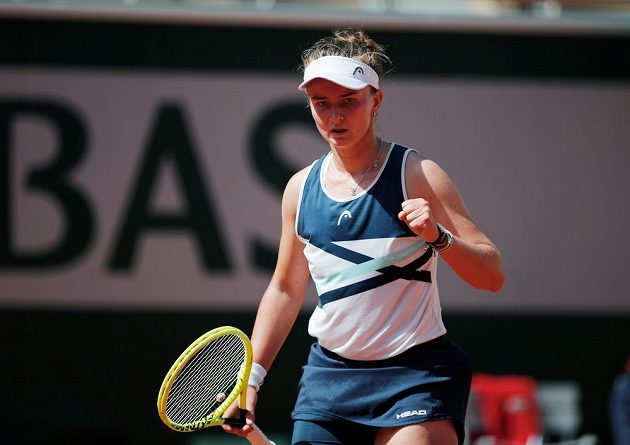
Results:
<point x="336" y="115"/>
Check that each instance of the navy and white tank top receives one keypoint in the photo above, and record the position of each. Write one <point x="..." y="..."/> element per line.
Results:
<point x="375" y="279"/>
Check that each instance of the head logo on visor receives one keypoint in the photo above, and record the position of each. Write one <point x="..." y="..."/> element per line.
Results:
<point x="344" y="71"/>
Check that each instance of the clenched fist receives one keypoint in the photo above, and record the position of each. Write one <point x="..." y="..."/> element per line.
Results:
<point x="416" y="213"/>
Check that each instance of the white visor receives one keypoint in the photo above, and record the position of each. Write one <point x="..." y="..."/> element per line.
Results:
<point x="343" y="71"/>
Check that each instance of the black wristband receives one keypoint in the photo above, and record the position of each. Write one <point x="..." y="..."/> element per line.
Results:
<point x="444" y="240"/>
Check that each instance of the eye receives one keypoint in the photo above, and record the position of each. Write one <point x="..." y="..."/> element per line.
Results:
<point x="321" y="103"/>
<point x="349" y="100"/>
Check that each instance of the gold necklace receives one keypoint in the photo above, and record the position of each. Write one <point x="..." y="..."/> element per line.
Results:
<point x="373" y="164"/>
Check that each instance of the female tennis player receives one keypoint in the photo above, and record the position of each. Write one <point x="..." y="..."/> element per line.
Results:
<point x="369" y="220"/>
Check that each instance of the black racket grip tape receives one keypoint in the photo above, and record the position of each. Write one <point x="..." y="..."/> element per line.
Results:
<point x="238" y="422"/>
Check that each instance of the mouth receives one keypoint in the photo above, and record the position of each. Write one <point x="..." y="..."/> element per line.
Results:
<point x="338" y="131"/>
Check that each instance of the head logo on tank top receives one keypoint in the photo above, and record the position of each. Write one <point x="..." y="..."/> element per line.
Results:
<point x="344" y="215"/>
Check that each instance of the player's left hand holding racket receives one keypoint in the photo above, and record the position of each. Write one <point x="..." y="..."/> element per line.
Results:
<point x="206" y="379"/>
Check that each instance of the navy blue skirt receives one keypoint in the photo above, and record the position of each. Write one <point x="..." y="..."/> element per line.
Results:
<point x="427" y="382"/>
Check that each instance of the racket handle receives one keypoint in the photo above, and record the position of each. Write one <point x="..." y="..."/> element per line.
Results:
<point x="238" y="422"/>
<point x="257" y="437"/>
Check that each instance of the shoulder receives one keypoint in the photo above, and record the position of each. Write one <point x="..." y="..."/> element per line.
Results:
<point x="424" y="175"/>
<point x="418" y="163"/>
<point x="426" y="179"/>
<point x="296" y="181"/>
<point x="293" y="187"/>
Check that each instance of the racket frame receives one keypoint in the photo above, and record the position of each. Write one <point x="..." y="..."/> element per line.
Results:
<point x="239" y="391"/>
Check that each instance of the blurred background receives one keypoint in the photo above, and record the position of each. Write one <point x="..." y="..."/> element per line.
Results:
<point x="144" y="147"/>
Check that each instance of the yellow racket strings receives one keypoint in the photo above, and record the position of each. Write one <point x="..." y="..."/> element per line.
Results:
<point x="207" y="379"/>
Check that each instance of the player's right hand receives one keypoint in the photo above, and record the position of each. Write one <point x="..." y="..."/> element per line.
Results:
<point x="233" y="411"/>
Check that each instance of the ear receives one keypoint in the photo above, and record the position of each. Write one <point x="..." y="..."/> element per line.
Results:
<point x="378" y="99"/>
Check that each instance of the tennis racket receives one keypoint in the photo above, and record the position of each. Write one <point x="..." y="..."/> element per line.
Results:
<point x="205" y="381"/>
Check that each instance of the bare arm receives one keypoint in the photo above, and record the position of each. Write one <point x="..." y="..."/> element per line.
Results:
<point x="281" y="301"/>
<point x="434" y="198"/>
<point x="283" y="298"/>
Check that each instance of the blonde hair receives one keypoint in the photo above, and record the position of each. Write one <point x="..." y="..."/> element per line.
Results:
<point x="351" y="43"/>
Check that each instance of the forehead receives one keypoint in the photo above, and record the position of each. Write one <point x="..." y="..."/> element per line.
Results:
<point x="325" y="88"/>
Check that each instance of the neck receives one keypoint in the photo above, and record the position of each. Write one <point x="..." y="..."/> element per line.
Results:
<point x="355" y="160"/>
<point x="352" y="183"/>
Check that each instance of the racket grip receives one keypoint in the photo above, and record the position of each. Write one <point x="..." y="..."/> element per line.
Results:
<point x="238" y="422"/>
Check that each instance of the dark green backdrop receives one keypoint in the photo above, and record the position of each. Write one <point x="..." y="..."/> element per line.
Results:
<point x="92" y="377"/>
